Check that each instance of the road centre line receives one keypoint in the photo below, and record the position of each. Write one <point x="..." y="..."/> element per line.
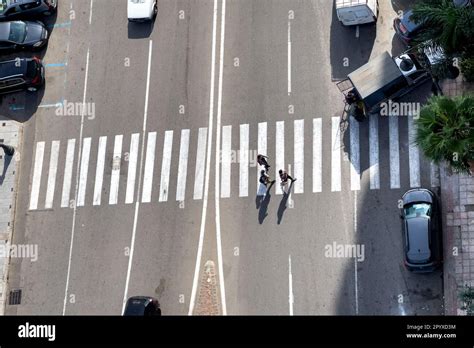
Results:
<point x="289" y="57"/>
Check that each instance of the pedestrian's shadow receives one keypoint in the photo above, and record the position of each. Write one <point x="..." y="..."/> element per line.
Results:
<point x="262" y="213"/>
<point x="6" y="163"/>
<point x="284" y="201"/>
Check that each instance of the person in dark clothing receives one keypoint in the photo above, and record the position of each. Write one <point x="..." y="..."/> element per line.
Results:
<point x="262" y="160"/>
<point x="284" y="177"/>
<point x="265" y="178"/>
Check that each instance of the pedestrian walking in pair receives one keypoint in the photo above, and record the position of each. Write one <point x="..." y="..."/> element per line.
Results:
<point x="284" y="177"/>
<point x="262" y="160"/>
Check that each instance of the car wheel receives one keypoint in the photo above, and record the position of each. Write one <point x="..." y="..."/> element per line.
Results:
<point x="32" y="89"/>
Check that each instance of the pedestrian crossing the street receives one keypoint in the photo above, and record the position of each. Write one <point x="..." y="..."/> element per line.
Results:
<point x="107" y="167"/>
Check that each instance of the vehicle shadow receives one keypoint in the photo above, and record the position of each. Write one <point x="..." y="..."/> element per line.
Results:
<point x="138" y="30"/>
<point x="283" y="204"/>
<point x="347" y="51"/>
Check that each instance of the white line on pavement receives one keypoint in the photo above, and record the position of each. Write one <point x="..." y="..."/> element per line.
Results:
<point x="289" y="57"/>
<point x="244" y="161"/>
<point x="290" y="286"/>
<point x="225" y="158"/>
<point x="71" y="144"/>
<point x="217" y="200"/>
<point x="208" y="164"/>
<point x="335" y="155"/>
<point x="99" y="172"/>
<point x="200" y="164"/>
<point x="356" y="278"/>
<point x="132" y="167"/>
<point x="115" y="175"/>
<point x="90" y="12"/>
<point x="53" y="169"/>
<point x="374" y="152"/>
<point x="317" y="155"/>
<point x="279" y="152"/>
<point x="149" y="167"/>
<point x="183" y="165"/>
<point x="166" y="166"/>
<point x="394" y="153"/>
<point x="262" y="145"/>
<point x="413" y="154"/>
<point x="299" y="155"/>
<point x="354" y="154"/>
<point x="86" y="149"/>
<point x="38" y="169"/>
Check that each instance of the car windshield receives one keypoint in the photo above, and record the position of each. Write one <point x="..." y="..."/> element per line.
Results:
<point x="417" y="209"/>
<point x="17" y="32"/>
<point x="3" y="5"/>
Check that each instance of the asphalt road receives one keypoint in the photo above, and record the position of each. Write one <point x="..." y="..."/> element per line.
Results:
<point x="166" y="205"/>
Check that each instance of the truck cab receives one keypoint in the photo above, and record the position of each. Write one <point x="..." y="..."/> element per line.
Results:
<point x="355" y="12"/>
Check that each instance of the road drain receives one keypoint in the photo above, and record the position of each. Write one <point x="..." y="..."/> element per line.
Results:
<point x="15" y="297"/>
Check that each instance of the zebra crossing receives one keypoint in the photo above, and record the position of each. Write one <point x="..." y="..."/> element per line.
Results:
<point x="115" y="168"/>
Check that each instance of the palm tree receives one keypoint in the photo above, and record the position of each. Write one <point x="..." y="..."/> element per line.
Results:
<point x="445" y="25"/>
<point x="445" y="131"/>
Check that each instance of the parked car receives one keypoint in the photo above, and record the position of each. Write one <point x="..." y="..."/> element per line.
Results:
<point x="422" y="231"/>
<point x="142" y="306"/>
<point x="22" y="35"/>
<point x="142" y="10"/>
<point x="15" y="9"/>
<point x="20" y="74"/>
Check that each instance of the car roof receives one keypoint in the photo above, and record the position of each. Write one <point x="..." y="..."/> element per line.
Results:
<point x="418" y="238"/>
<point x="409" y="23"/>
<point x="4" y="31"/>
<point x="136" y="305"/>
<point x="13" y="67"/>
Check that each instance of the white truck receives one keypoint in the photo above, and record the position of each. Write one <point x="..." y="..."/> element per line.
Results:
<point x="355" y="12"/>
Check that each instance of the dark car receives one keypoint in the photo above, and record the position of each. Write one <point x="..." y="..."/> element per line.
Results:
<point x="20" y="74"/>
<point x="14" y="9"/>
<point x="22" y="35"/>
<point x="421" y="228"/>
<point x="406" y="28"/>
<point x="142" y="306"/>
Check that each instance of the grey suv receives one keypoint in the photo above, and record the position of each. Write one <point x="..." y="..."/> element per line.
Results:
<point x="15" y="9"/>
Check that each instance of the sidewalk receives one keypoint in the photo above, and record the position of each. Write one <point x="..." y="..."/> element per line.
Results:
<point x="457" y="192"/>
<point x="10" y="134"/>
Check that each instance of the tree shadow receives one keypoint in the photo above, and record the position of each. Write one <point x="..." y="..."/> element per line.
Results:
<point x="282" y="207"/>
<point x="262" y="213"/>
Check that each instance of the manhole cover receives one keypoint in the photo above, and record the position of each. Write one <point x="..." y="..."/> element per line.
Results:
<point x="15" y="297"/>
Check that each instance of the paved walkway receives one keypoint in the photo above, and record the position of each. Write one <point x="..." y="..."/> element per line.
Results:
<point x="457" y="192"/>
<point x="10" y="134"/>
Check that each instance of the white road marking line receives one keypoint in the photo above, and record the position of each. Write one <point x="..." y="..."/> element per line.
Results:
<point x="71" y="144"/>
<point x="90" y="12"/>
<point x="99" y="172"/>
<point x="217" y="200"/>
<point x="86" y="149"/>
<point x="115" y="175"/>
<point x="289" y="57"/>
<point x="200" y="164"/>
<point x="355" y="216"/>
<point x="435" y="180"/>
<point x="53" y="169"/>
<point x="374" y="152"/>
<point x="208" y="165"/>
<point x="354" y="154"/>
<point x="413" y="155"/>
<point x="38" y="169"/>
<point x="149" y="167"/>
<point x="81" y="130"/>
<point x="291" y="298"/>
<point x="299" y="155"/>
<point x="357" y="31"/>
<point x="317" y="155"/>
<point x="132" y="168"/>
<point x="394" y="153"/>
<point x="225" y="157"/>
<point x="279" y="152"/>
<point x="183" y="165"/>
<point x="261" y="146"/>
<point x="335" y="155"/>
<point x="244" y="161"/>
<point x="137" y="202"/>
<point x="166" y="166"/>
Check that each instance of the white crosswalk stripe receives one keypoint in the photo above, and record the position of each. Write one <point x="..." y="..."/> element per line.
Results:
<point x="99" y="173"/>
<point x="300" y="147"/>
<point x="115" y="176"/>
<point x="38" y="169"/>
<point x="165" y="166"/>
<point x="53" y="168"/>
<point x="132" y="168"/>
<point x="81" y="193"/>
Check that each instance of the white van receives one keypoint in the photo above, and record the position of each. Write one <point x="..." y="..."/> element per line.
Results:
<point x="141" y="10"/>
<point x="355" y="12"/>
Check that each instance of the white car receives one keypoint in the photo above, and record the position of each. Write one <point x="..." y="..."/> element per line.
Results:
<point x="141" y="10"/>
